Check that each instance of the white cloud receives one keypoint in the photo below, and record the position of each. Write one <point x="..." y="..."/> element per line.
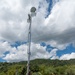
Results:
<point x="67" y="56"/>
<point x="4" y="46"/>
<point x="13" y="18"/>
<point x="57" y="29"/>
<point x="17" y="54"/>
<point x="59" y="26"/>
<point x="20" y="53"/>
<point x="60" y="23"/>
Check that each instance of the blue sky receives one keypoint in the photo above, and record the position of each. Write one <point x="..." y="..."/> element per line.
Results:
<point x="69" y="49"/>
<point x="53" y="30"/>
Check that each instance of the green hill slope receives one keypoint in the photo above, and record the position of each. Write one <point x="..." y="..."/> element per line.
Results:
<point x="39" y="67"/>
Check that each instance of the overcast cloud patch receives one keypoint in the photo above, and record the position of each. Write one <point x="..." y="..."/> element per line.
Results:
<point x="57" y="30"/>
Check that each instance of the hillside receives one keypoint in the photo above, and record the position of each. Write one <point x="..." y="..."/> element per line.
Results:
<point x="39" y="67"/>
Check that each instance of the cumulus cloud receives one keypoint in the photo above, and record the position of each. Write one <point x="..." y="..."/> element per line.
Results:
<point x="13" y="18"/>
<point x="4" y="46"/>
<point x="62" y="21"/>
<point x="57" y="29"/>
<point x="67" y="56"/>
<point x="58" y="26"/>
<point x="17" y="54"/>
<point x="20" y="53"/>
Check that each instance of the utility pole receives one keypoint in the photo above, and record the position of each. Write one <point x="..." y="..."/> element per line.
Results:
<point x="29" y="20"/>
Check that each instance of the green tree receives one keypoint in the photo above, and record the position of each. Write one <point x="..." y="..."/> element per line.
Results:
<point x="70" y="70"/>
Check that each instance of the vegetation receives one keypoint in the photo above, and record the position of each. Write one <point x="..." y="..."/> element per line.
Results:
<point x="39" y="67"/>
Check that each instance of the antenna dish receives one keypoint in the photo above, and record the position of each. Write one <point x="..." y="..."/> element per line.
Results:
<point x="33" y="9"/>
